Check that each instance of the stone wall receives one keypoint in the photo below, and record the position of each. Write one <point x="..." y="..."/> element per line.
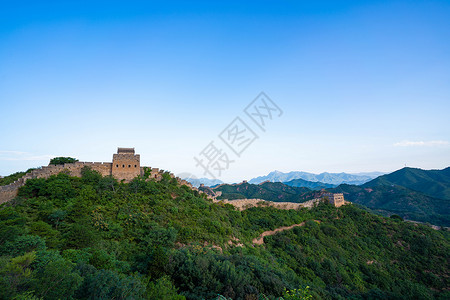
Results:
<point x="8" y="192"/>
<point x="242" y="204"/>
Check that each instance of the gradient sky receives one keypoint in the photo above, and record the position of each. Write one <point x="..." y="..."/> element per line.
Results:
<point x="363" y="85"/>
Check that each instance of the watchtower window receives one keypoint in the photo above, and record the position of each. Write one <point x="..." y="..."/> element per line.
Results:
<point x="129" y="166"/>
<point x="117" y="166"/>
<point x="123" y="166"/>
<point x="135" y="166"/>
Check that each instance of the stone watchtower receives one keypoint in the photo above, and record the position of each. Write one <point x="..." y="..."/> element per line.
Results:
<point x="126" y="165"/>
<point x="336" y="199"/>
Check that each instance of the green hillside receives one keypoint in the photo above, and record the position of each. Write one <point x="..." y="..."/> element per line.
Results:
<point x="384" y="195"/>
<point x="433" y="183"/>
<point x="94" y="238"/>
<point x="270" y="191"/>
<point x="394" y="199"/>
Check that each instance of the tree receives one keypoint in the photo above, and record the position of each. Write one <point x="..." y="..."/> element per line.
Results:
<point x="297" y="294"/>
<point x="54" y="277"/>
<point x="62" y="160"/>
<point x="106" y="284"/>
<point x="163" y="289"/>
<point x="14" y="274"/>
<point x="396" y="218"/>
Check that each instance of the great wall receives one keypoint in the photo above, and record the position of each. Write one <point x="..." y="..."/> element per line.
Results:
<point x="126" y="166"/>
<point x="242" y="204"/>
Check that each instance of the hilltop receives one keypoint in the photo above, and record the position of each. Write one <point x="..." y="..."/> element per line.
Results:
<point x="414" y="194"/>
<point x="433" y="183"/>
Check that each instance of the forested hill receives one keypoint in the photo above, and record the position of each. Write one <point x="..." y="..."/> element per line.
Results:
<point x="433" y="183"/>
<point x="270" y="191"/>
<point x="94" y="238"/>
<point x="415" y="194"/>
<point x="394" y="199"/>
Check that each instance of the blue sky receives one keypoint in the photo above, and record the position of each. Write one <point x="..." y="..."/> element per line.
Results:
<point x="363" y="85"/>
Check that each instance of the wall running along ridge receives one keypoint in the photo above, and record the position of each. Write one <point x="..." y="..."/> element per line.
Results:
<point x="242" y="204"/>
<point x="9" y="192"/>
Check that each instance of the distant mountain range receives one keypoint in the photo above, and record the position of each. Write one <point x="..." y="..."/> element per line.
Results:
<point x="414" y="194"/>
<point x="329" y="178"/>
<point x="310" y="180"/>
<point x="309" y="184"/>
<point x="206" y="181"/>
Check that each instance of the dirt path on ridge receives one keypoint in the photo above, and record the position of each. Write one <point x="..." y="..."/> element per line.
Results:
<point x="260" y="240"/>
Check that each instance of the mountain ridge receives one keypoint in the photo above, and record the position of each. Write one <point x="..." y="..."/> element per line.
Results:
<point x="433" y="183"/>
<point x="325" y="177"/>
<point x="313" y="185"/>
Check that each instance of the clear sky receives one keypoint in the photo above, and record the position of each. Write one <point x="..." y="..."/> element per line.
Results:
<point x="363" y="85"/>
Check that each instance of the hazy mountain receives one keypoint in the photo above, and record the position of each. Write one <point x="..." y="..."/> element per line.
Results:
<point x="330" y="178"/>
<point x="206" y="181"/>
<point x="433" y="183"/>
<point x="370" y="174"/>
<point x="309" y="184"/>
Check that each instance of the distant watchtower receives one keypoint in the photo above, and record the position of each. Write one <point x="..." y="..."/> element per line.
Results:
<point x="126" y="165"/>
<point x="336" y="199"/>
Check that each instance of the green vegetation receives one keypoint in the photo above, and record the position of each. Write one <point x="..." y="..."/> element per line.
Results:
<point x="433" y="183"/>
<point x="94" y="238"/>
<point x="413" y="194"/>
<point x="62" y="160"/>
<point x="394" y="199"/>
<point x="13" y="177"/>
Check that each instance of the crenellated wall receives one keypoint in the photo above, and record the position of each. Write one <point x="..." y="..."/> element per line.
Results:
<point x="9" y="192"/>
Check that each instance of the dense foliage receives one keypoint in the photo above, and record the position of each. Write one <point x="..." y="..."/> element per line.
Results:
<point x="95" y="238"/>
<point x="62" y="160"/>
<point x="414" y="194"/>
<point x="394" y="199"/>
<point x="433" y="183"/>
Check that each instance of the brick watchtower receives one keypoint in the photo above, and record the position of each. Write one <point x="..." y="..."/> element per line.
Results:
<point x="126" y="165"/>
